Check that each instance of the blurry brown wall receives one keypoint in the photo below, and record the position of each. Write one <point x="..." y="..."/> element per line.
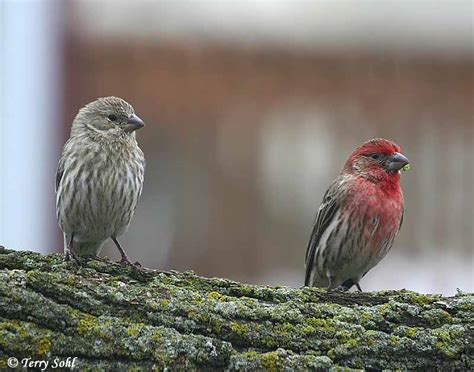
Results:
<point x="209" y="110"/>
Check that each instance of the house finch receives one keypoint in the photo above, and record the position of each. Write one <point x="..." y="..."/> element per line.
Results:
<point x="99" y="177"/>
<point x="359" y="217"/>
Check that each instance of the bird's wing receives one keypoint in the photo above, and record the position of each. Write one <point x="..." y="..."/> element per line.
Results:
<point x="59" y="173"/>
<point x="325" y="214"/>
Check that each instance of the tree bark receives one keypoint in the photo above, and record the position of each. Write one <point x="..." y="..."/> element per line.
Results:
<point x="116" y="318"/>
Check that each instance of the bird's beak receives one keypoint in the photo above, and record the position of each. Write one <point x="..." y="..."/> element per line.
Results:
<point x="133" y="123"/>
<point x="396" y="161"/>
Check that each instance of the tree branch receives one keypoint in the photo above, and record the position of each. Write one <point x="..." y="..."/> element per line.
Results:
<point x="116" y="317"/>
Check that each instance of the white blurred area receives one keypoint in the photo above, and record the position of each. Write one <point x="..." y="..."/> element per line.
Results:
<point x="439" y="26"/>
<point x="251" y="109"/>
<point x="30" y="75"/>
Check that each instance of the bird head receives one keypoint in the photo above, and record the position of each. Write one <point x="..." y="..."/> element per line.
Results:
<point x="377" y="159"/>
<point x="107" y="116"/>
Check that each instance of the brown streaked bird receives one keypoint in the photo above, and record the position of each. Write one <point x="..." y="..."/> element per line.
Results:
<point x="99" y="178"/>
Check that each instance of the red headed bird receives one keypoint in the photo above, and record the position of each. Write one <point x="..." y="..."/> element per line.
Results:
<point x="359" y="217"/>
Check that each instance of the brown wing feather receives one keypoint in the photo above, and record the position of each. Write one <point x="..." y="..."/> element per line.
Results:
<point x="59" y="173"/>
<point x="325" y="214"/>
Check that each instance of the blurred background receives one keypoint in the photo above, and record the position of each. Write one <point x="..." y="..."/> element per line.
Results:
<point x="251" y="110"/>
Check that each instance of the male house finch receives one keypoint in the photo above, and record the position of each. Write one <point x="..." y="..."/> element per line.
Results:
<point x="99" y="177"/>
<point x="359" y="217"/>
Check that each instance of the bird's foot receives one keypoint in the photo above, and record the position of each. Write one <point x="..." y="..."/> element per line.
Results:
<point x="347" y="285"/>
<point x="340" y="288"/>
<point x="101" y="259"/>
<point x="125" y="261"/>
<point x="70" y="256"/>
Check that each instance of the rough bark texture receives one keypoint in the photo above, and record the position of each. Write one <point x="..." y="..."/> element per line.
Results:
<point x="115" y="317"/>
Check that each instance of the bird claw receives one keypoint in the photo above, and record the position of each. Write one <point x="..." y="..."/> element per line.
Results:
<point x="340" y="288"/>
<point x="70" y="256"/>
<point x="125" y="261"/>
<point x="102" y="259"/>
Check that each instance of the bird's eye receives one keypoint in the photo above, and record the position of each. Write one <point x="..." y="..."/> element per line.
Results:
<point x="375" y="156"/>
<point x="112" y="117"/>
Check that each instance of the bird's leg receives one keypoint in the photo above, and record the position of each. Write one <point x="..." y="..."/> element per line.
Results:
<point x="70" y="254"/>
<point x="330" y="283"/>
<point x="125" y="259"/>
<point x="358" y="287"/>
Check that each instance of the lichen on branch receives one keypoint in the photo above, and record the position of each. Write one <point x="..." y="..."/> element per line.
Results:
<point x="116" y="317"/>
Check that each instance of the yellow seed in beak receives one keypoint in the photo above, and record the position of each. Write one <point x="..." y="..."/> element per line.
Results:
<point x="406" y="167"/>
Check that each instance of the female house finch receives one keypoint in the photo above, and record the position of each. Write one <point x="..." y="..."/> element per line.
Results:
<point x="99" y="177"/>
<point x="359" y="217"/>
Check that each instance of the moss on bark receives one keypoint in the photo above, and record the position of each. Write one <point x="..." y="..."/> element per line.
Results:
<point x="114" y="317"/>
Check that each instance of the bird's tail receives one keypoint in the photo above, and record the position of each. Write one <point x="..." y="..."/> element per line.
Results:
<point x="81" y="248"/>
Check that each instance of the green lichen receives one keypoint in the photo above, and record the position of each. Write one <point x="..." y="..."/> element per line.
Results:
<point x="270" y="361"/>
<point x="239" y="328"/>
<point x="87" y="324"/>
<point x="43" y="346"/>
<point x="216" y="296"/>
<point x="437" y="317"/>
<point x="134" y="329"/>
<point x="71" y="279"/>
<point x="123" y="318"/>
<point x="404" y="331"/>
